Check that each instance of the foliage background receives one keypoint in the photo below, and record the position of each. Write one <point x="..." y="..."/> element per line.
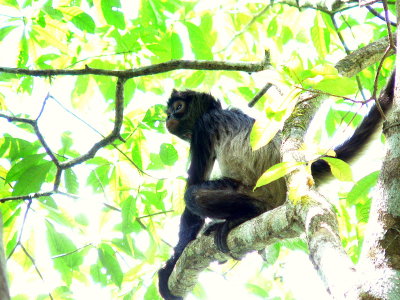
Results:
<point x="110" y="240"/>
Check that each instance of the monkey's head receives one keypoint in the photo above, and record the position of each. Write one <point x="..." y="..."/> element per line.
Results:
<point x="185" y="108"/>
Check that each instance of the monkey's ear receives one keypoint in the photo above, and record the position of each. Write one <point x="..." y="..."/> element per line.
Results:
<point x="174" y="92"/>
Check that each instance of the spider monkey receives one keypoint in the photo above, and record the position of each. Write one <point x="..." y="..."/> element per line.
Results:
<point x="217" y="134"/>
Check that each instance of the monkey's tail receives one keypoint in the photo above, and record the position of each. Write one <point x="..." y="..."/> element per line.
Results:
<point x="362" y="135"/>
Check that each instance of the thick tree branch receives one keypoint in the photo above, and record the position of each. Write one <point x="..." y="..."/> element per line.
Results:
<point x="252" y="235"/>
<point x="380" y="258"/>
<point x="312" y="210"/>
<point x="364" y="57"/>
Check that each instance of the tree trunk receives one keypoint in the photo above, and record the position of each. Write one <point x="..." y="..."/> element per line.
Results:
<point x="380" y="260"/>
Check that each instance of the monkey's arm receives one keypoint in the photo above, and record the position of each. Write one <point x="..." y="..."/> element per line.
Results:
<point x="189" y="227"/>
<point x="202" y="161"/>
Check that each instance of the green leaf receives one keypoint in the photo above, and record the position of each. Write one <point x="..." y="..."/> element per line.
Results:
<point x="295" y="244"/>
<point x="26" y="85"/>
<point x="264" y="130"/>
<point x="258" y="291"/>
<point x="129" y="213"/>
<point x="23" y="56"/>
<point x="97" y="274"/>
<point x="12" y="3"/>
<point x="109" y="260"/>
<point x="362" y="188"/>
<point x="176" y="46"/>
<point x="194" y="80"/>
<point x="60" y="244"/>
<point x="43" y="61"/>
<point x="82" y="219"/>
<point x="335" y="118"/>
<point x="198" y="42"/>
<point x="84" y="22"/>
<point x="272" y="28"/>
<point x="168" y="154"/>
<point x="5" y="31"/>
<point x="155" y="117"/>
<point x="41" y="20"/>
<point x="318" y="36"/>
<point x="81" y="86"/>
<point x="30" y="174"/>
<point x="11" y="244"/>
<point x="155" y="162"/>
<point x="52" y="12"/>
<point x="340" y="169"/>
<point x="286" y="35"/>
<point x="100" y="177"/>
<point x="112" y="13"/>
<point x="71" y="181"/>
<point x="152" y="14"/>
<point x="271" y="253"/>
<point x="151" y="293"/>
<point x="137" y="149"/>
<point x="277" y="171"/>
<point x="21" y="167"/>
<point x="337" y="85"/>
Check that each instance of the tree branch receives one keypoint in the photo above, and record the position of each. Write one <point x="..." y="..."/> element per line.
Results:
<point x="376" y="14"/>
<point x="312" y="210"/>
<point x="321" y="5"/>
<point x="364" y="57"/>
<point x="152" y="69"/>
<point x="252" y="235"/>
<point x="4" y="289"/>
<point x="115" y="134"/>
<point x="61" y="166"/>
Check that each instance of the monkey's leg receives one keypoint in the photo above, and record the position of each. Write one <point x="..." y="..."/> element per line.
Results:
<point x="220" y="199"/>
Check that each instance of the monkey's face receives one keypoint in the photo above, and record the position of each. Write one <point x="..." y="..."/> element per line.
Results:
<point x="178" y="121"/>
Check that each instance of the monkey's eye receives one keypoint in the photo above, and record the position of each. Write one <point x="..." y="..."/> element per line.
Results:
<point x="179" y="107"/>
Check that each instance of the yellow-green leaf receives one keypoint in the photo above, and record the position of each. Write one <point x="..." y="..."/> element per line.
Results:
<point x="277" y="171"/>
<point x="340" y="169"/>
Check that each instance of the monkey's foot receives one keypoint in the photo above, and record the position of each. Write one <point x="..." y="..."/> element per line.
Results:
<point x="221" y="230"/>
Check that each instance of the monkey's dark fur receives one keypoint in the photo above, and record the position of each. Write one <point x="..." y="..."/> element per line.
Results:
<point x="223" y="135"/>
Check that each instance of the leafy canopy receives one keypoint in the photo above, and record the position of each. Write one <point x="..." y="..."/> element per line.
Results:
<point x="109" y="240"/>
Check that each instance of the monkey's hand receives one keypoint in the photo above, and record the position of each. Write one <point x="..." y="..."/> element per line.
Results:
<point x="163" y="276"/>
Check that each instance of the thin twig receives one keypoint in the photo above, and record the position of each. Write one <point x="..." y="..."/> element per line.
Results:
<point x="24" y="220"/>
<point x="347" y="50"/>
<point x="35" y="266"/>
<point x="245" y="28"/>
<point x="72" y="252"/>
<point x="387" y="20"/>
<point x="378" y="105"/>
<point x="376" y="14"/>
<point x="332" y="95"/>
<point x="157" y="213"/>
<point x="260" y="94"/>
